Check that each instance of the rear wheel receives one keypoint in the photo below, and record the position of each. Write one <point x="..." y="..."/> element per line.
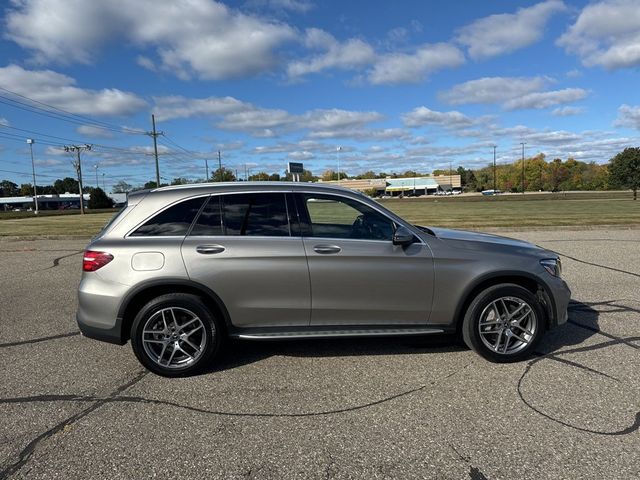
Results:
<point x="504" y="323"/>
<point x="175" y="335"/>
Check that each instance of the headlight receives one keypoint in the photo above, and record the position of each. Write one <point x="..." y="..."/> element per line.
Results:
<point x="553" y="266"/>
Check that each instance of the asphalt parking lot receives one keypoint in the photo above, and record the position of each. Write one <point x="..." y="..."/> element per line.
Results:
<point x="384" y="408"/>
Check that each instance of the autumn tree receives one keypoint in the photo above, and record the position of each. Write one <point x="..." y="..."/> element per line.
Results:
<point x="624" y="169"/>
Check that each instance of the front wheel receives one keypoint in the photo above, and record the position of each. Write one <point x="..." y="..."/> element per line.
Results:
<point x="504" y="323"/>
<point x="175" y="335"/>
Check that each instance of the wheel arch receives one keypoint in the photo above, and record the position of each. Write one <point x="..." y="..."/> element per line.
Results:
<point x="526" y="280"/>
<point x="144" y="292"/>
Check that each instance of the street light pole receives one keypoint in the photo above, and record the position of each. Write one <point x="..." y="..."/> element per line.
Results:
<point x="338" y="157"/>
<point x="523" y="144"/>
<point x="96" y="167"/>
<point x="30" y="141"/>
<point x="494" y="169"/>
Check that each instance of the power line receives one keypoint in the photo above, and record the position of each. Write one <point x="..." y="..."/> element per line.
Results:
<point x="66" y="115"/>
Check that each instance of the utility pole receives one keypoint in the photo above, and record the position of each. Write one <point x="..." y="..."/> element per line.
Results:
<point x="96" y="167"/>
<point x="494" y="169"/>
<point x="78" y="165"/>
<point x="155" y="135"/>
<point x="523" y="144"/>
<point x="338" y="157"/>
<point x="103" y="187"/>
<point x="30" y="141"/>
<point x="206" y="167"/>
<point x="220" y="166"/>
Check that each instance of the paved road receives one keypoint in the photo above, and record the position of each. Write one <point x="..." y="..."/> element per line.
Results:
<point x="399" y="408"/>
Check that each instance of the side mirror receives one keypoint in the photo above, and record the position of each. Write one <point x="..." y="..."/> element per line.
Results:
<point x="403" y="236"/>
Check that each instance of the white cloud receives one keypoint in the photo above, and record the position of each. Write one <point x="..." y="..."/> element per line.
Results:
<point x="546" y="99"/>
<point x="607" y="34"/>
<point x="383" y="69"/>
<point x="507" y="32"/>
<point x="301" y="155"/>
<point x="492" y="89"/>
<point x="511" y="92"/>
<point x="204" y="38"/>
<point x="628" y="116"/>
<point x="362" y="134"/>
<point x="233" y="114"/>
<point x="93" y="131"/>
<point x="297" y="6"/>
<point x="398" y="68"/>
<point x="424" y="116"/>
<point x="349" y="55"/>
<point x="567" y="111"/>
<point x="177" y="106"/>
<point x="60" y="91"/>
<point x="146" y="62"/>
<point x="4" y="121"/>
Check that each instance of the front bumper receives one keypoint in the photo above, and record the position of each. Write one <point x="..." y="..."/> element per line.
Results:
<point x="561" y="295"/>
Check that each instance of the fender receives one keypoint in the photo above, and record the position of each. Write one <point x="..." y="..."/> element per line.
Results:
<point x="164" y="282"/>
<point x="502" y="274"/>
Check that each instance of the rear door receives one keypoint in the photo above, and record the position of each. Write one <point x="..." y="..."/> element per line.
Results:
<point x="242" y="247"/>
<point x="358" y="277"/>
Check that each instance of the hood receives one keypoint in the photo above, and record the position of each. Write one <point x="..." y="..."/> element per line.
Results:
<point x="477" y="237"/>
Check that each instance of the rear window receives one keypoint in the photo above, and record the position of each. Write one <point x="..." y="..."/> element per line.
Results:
<point x="174" y="221"/>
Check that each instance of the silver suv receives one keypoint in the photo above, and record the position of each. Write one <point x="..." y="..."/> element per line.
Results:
<point x="180" y="269"/>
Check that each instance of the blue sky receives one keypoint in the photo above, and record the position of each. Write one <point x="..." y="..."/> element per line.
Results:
<point x="397" y="85"/>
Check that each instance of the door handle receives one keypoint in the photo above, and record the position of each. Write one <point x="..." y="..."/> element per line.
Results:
<point x="326" y="249"/>
<point x="209" y="249"/>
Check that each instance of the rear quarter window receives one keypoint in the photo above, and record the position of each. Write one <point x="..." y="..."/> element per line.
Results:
<point x="174" y="221"/>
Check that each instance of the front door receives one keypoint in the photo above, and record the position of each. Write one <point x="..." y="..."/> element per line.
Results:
<point x="358" y="276"/>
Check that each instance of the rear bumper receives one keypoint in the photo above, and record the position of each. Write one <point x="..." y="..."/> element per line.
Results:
<point x="98" y="305"/>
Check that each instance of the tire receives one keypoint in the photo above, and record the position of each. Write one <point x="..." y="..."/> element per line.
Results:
<point x="175" y="335"/>
<point x="504" y="323"/>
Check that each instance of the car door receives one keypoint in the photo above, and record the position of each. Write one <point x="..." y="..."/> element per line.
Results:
<point x="241" y="247"/>
<point x="358" y="276"/>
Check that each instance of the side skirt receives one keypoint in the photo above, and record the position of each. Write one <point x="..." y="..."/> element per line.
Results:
<point x="332" y="332"/>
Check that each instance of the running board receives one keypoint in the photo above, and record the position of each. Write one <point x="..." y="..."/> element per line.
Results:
<point x="336" y="333"/>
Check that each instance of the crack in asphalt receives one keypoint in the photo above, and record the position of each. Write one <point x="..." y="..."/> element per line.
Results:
<point x="606" y="267"/>
<point x="151" y="401"/>
<point x="614" y="340"/>
<point x="27" y="452"/>
<point x="474" y="472"/>
<point x="116" y="397"/>
<point x="56" y="261"/>
<point x="38" y="340"/>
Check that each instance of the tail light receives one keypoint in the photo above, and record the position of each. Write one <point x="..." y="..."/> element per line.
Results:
<point x="93" y="261"/>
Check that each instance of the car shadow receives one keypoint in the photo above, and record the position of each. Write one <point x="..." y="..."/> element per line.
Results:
<point x="582" y="324"/>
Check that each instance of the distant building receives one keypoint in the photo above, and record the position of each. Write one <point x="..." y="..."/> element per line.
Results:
<point x="61" y="201"/>
<point x="427" y="185"/>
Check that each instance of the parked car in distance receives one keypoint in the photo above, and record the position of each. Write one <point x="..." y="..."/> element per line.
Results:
<point x="180" y="269"/>
<point x="491" y="192"/>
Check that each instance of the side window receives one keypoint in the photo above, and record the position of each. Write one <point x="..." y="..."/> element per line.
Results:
<point x="174" y="221"/>
<point x="255" y="214"/>
<point x="210" y="220"/>
<point x="339" y="217"/>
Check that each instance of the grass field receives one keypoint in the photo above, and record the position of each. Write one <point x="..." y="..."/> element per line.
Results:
<point x="476" y="212"/>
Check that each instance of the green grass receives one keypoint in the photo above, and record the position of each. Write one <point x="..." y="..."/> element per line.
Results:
<point x="71" y="225"/>
<point x="517" y="212"/>
<point x="531" y="210"/>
